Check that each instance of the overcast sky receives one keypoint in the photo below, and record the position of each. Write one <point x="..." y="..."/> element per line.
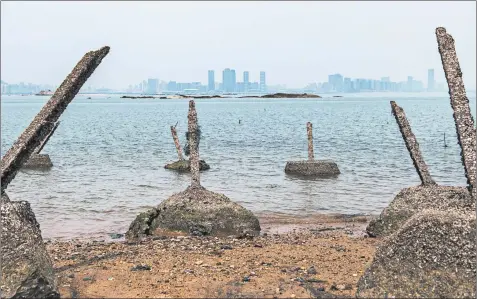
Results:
<point x="294" y="42"/>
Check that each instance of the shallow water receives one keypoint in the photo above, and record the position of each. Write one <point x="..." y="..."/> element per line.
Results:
<point x="109" y="155"/>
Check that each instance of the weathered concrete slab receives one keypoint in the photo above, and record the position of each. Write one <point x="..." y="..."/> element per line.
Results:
<point x="464" y="122"/>
<point x="318" y="168"/>
<point x="38" y="162"/>
<point x="195" y="211"/>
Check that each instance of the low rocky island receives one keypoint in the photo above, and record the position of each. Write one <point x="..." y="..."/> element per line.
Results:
<point x="285" y="96"/>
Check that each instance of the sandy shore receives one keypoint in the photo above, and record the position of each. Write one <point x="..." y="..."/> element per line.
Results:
<point x="309" y="258"/>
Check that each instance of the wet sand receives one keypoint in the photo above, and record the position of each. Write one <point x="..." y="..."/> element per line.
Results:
<point x="302" y="258"/>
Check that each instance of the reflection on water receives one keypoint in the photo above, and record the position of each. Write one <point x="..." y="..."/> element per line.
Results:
<point x="109" y="155"/>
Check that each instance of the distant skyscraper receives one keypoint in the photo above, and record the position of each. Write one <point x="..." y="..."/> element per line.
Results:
<point x="430" y="80"/>
<point x="228" y="80"/>
<point x="211" y="85"/>
<point x="409" y="83"/>
<point x="246" y="80"/>
<point x="152" y="86"/>
<point x="336" y="82"/>
<point x="263" y="82"/>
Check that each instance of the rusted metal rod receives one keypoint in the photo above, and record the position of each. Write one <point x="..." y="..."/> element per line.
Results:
<point x="193" y="148"/>
<point x="464" y="122"/>
<point x="412" y="145"/>
<point x="309" y="129"/>
<point x="177" y="143"/>
<point x="45" y="120"/>
<point x="42" y="145"/>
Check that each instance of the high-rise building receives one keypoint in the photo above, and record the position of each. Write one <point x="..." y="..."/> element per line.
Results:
<point x="246" y="80"/>
<point x="336" y="82"/>
<point x="347" y="85"/>
<point x="430" y="80"/>
<point x="152" y="86"/>
<point x="211" y="82"/>
<point x="228" y="80"/>
<point x="409" y="86"/>
<point x="263" y="82"/>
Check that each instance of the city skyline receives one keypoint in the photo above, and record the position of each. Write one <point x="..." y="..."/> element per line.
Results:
<point x="336" y="83"/>
<point x="295" y="42"/>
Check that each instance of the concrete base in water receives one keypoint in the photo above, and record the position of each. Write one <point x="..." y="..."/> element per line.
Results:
<point x="38" y="161"/>
<point x="312" y="168"/>
<point x="183" y="165"/>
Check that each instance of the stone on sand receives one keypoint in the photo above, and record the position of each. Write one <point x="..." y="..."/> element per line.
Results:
<point x="196" y="211"/>
<point x="413" y="200"/>
<point x="433" y="255"/>
<point x="27" y="271"/>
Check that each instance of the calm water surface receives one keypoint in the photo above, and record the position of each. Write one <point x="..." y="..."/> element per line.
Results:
<point x="109" y="155"/>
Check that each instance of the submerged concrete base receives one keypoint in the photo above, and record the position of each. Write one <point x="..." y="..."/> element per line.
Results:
<point x="195" y="211"/>
<point x="26" y="268"/>
<point x="415" y="199"/>
<point x="433" y="255"/>
<point x="312" y="168"/>
<point x="183" y="165"/>
<point x="38" y="161"/>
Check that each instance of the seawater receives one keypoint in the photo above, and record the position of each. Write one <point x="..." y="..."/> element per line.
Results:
<point x="109" y="155"/>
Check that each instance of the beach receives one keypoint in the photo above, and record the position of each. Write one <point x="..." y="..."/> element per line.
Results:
<point x="309" y="258"/>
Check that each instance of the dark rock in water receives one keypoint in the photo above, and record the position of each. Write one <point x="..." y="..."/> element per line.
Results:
<point x="183" y="165"/>
<point x="196" y="211"/>
<point x="312" y="168"/>
<point x="433" y="255"/>
<point x="413" y="200"/>
<point x="26" y="268"/>
<point x="38" y="161"/>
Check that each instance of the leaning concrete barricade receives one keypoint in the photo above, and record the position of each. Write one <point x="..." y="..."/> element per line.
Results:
<point x="433" y="253"/>
<point x="26" y="268"/>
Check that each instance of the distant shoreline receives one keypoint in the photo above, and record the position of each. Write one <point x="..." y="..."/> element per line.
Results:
<point x="267" y="96"/>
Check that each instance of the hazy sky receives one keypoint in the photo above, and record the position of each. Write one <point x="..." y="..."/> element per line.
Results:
<point x="294" y="42"/>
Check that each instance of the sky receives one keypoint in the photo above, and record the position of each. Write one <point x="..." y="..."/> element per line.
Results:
<point x="295" y="43"/>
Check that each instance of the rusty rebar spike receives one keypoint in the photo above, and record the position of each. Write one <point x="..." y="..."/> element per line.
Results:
<point x="412" y="145"/>
<point x="193" y="148"/>
<point x="464" y="122"/>
<point x="44" y="121"/>
<point x="309" y="130"/>
<point x="177" y="143"/>
<point x="43" y="143"/>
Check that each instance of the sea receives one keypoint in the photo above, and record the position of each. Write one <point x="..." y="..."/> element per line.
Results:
<point x="109" y="155"/>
